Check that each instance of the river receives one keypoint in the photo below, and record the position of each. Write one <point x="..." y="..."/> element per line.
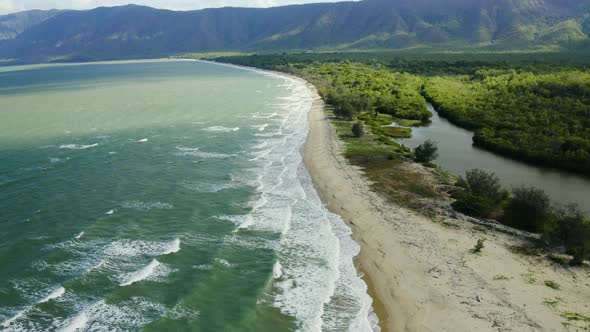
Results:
<point x="457" y="154"/>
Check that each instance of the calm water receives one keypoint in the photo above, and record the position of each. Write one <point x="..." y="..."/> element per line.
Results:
<point x="457" y="154"/>
<point x="165" y="196"/>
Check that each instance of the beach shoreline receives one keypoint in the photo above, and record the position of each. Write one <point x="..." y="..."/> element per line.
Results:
<point x="421" y="273"/>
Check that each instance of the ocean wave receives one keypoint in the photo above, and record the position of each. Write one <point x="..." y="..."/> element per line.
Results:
<point x="260" y="127"/>
<point x="221" y="129"/>
<point x="223" y="262"/>
<point x="146" y="206"/>
<point x="173" y="247"/>
<point x="78" y="146"/>
<point x="128" y="315"/>
<point x="264" y="116"/>
<point x="142" y="274"/>
<point x="286" y="203"/>
<point x="195" y="152"/>
<point x="277" y="270"/>
<point x="209" y="187"/>
<point x="53" y="295"/>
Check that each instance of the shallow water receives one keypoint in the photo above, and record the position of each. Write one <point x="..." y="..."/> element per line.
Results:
<point x="457" y="154"/>
<point x="165" y="195"/>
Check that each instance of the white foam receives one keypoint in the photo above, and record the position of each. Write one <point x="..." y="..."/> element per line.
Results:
<point x="141" y="274"/>
<point x="221" y="129"/>
<point x="143" y="140"/>
<point x="277" y="271"/>
<point x="314" y="273"/>
<point x="9" y="321"/>
<point x="129" y="315"/>
<point x="77" y="323"/>
<point x="53" y="295"/>
<point x="54" y="160"/>
<point x="195" y="152"/>
<point x="174" y="247"/>
<point x="146" y="206"/>
<point x="260" y="127"/>
<point x="109" y="212"/>
<point x="264" y="116"/>
<point x="223" y="262"/>
<point x="77" y="237"/>
<point x="78" y="146"/>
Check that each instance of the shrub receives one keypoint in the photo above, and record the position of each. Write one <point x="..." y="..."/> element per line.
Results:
<point x="572" y="228"/>
<point x="478" y="246"/>
<point x="552" y="284"/>
<point x="484" y="184"/>
<point x="358" y="130"/>
<point x="426" y="152"/>
<point x="472" y="205"/>
<point x="529" y="209"/>
<point x="344" y="110"/>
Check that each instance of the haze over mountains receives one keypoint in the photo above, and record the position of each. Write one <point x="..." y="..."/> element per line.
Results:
<point x="136" y="31"/>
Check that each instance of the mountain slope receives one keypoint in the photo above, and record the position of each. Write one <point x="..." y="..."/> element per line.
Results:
<point x="13" y="25"/>
<point x="131" y="31"/>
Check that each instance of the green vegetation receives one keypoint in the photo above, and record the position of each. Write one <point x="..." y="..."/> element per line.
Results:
<point x="571" y="228"/>
<point x="551" y="284"/>
<point x="574" y="319"/>
<point x="532" y="110"/>
<point x="478" y="246"/>
<point x="539" y="109"/>
<point x="481" y="194"/>
<point x="501" y="277"/>
<point x="426" y="152"/>
<point x="538" y="117"/>
<point x="529" y="209"/>
<point x="358" y="130"/>
<point x="552" y="303"/>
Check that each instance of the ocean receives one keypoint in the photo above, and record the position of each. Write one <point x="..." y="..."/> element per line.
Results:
<point x="166" y="196"/>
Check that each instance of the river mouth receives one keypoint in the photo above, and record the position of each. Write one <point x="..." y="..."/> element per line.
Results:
<point x="457" y="154"/>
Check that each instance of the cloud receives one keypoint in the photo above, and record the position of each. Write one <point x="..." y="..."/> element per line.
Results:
<point x="10" y="6"/>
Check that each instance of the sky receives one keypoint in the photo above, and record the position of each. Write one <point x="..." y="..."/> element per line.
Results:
<point x="11" y="6"/>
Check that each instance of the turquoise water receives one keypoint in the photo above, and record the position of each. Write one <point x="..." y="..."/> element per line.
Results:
<point x="165" y="196"/>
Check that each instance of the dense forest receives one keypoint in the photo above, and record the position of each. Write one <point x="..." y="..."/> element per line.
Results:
<point x="537" y="111"/>
<point x="542" y="118"/>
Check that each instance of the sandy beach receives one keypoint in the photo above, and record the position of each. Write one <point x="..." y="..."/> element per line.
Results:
<point x="421" y="272"/>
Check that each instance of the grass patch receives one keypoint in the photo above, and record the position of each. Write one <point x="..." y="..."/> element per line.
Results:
<point x="557" y="259"/>
<point x="478" y="246"/>
<point x="408" y="122"/>
<point x="397" y="132"/>
<point x="501" y="277"/>
<point x="524" y="249"/>
<point x="581" y="322"/>
<point x="551" y="284"/>
<point x="552" y="303"/>
<point x="530" y="278"/>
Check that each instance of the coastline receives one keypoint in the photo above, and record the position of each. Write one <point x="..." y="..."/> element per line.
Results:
<point x="420" y="272"/>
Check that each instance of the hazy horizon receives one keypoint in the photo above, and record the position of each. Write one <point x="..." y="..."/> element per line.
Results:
<point x="15" y="6"/>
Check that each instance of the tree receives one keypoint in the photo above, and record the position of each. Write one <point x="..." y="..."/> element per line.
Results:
<point x="426" y="152"/>
<point x="344" y="110"/>
<point x="572" y="228"/>
<point x="529" y="209"/>
<point x="484" y="184"/>
<point x="358" y="130"/>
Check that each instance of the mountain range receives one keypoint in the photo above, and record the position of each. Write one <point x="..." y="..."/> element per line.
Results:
<point x="138" y="31"/>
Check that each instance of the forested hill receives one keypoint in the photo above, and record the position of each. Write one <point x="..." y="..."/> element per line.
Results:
<point x="132" y="31"/>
